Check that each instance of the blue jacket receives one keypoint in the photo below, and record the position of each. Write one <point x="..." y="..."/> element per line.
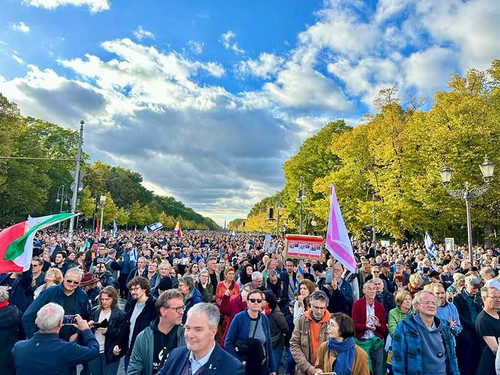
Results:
<point x="46" y="353"/>
<point x="190" y="302"/>
<point x="219" y="363"/>
<point x="21" y="293"/>
<point x="239" y="329"/>
<point x="407" y="356"/>
<point x="54" y="294"/>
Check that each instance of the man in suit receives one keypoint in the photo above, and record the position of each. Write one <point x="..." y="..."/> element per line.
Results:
<point x="201" y="355"/>
<point x="46" y="353"/>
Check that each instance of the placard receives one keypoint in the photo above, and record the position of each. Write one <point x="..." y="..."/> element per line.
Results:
<point x="303" y="247"/>
<point x="449" y="244"/>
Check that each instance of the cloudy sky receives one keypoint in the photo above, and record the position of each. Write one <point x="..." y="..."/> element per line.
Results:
<point x="207" y="99"/>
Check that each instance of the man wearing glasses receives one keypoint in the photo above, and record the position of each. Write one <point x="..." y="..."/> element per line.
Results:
<point x="309" y="332"/>
<point x="67" y="294"/>
<point x="423" y="344"/>
<point x="162" y="336"/>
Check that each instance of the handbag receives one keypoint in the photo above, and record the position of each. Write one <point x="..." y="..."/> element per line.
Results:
<point x="242" y="346"/>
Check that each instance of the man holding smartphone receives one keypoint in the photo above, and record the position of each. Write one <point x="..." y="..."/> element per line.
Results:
<point x="46" y="353"/>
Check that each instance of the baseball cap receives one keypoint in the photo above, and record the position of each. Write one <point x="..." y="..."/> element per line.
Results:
<point x="399" y="261"/>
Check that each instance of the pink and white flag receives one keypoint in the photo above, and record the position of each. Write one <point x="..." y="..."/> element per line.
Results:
<point x="337" y="239"/>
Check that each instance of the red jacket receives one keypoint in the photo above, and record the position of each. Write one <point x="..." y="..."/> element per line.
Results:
<point x="359" y="318"/>
<point x="229" y="308"/>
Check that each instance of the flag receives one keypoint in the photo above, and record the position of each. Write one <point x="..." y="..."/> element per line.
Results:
<point x="429" y="245"/>
<point x="337" y="240"/>
<point x="178" y="229"/>
<point x="97" y="227"/>
<point x="16" y="242"/>
<point x="155" y="226"/>
<point x="145" y="230"/>
<point x="115" y="228"/>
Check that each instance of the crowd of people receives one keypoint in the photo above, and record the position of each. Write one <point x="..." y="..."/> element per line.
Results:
<point x="221" y="303"/>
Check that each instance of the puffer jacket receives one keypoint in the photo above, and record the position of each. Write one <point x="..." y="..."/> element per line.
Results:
<point x="407" y="356"/>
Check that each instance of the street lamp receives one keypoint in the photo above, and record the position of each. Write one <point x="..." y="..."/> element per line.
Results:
<point x="301" y="195"/>
<point x="102" y="200"/>
<point x="62" y="197"/>
<point x="467" y="194"/>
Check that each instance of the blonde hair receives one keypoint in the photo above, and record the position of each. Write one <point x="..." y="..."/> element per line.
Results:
<point x="400" y="297"/>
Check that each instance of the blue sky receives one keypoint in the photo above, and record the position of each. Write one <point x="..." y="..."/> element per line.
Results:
<point x="207" y="99"/>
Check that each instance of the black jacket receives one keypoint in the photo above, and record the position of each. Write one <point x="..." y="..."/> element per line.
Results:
<point x="460" y="302"/>
<point x="147" y="315"/>
<point x="10" y="333"/>
<point x="116" y="325"/>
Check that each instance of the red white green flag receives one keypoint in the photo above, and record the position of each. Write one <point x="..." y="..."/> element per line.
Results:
<point x="16" y="242"/>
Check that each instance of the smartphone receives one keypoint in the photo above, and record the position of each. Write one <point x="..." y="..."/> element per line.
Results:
<point x="69" y="320"/>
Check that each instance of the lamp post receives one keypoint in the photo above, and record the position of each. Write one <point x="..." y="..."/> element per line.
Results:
<point x="76" y="182"/>
<point x="102" y="200"/>
<point x="62" y="196"/>
<point x="278" y="206"/>
<point x="301" y="195"/>
<point x="467" y="194"/>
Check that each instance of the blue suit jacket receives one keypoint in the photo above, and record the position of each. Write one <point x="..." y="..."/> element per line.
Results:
<point x="46" y="353"/>
<point x="219" y="363"/>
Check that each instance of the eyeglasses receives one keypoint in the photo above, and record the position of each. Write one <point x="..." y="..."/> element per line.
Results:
<point x="255" y="300"/>
<point x="428" y="303"/>
<point x="73" y="282"/>
<point x="178" y="310"/>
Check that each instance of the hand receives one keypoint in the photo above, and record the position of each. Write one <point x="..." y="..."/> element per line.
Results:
<point x="81" y="324"/>
<point x="244" y="363"/>
<point x="227" y="292"/>
<point x="116" y="350"/>
<point x="370" y="327"/>
<point x="91" y="323"/>
<point x="272" y="373"/>
<point x="376" y="321"/>
<point x="103" y="330"/>
<point x="73" y="337"/>
<point x="453" y="323"/>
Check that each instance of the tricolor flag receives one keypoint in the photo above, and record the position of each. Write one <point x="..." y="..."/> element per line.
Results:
<point x="337" y="240"/>
<point x="429" y="245"/>
<point x="178" y="229"/>
<point x="97" y="227"/>
<point x="16" y="242"/>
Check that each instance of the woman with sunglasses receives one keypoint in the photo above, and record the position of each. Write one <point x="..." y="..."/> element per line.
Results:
<point x="107" y="323"/>
<point x="249" y="337"/>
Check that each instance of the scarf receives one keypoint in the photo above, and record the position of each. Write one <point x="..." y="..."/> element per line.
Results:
<point x="4" y="304"/>
<point x="345" y="355"/>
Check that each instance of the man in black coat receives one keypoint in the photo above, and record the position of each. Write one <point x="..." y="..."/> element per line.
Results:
<point x="469" y="305"/>
<point x="140" y="311"/>
<point x="201" y="351"/>
<point x="289" y="282"/>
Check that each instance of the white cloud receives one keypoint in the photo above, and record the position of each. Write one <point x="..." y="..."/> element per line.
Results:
<point x="141" y="34"/>
<point x="18" y="59"/>
<point x="428" y="70"/>
<point x="303" y="88"/>
<point x="266" y="66"/>
<point x="93" y="5"/>
<point x="195" y="47"/>
<point x="227" y="41"/>
<point x="21" y="26"/>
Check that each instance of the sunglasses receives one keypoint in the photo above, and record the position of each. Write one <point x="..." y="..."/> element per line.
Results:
<point x="72" y="282"/>
<point x="255" y="300"/>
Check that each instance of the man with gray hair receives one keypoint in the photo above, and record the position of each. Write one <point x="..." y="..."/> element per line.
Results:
<point x="422" y="344"/>
<point x="488" y="327"/>
<point x="46" y="353"/>
<point x="258" y="281"/>
<point x="69" y="295"/>
<point x="309" y="332"/>
<point x="201" y="352"/>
